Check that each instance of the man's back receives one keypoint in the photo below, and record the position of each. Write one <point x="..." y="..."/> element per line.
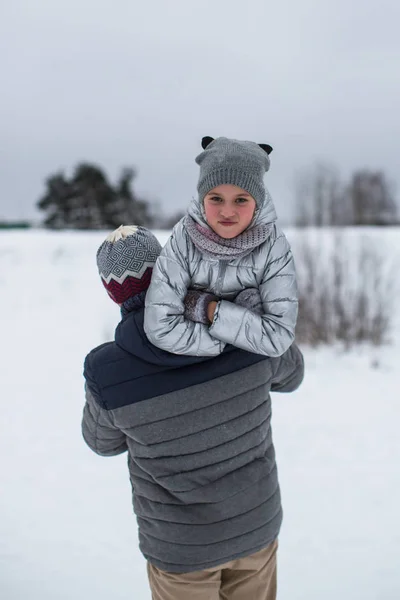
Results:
<point x="201" y="458"/>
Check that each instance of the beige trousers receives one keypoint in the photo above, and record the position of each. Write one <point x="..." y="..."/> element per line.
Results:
<point x="249" y="578"/>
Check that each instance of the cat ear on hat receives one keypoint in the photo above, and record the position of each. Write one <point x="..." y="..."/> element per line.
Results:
<point x="206" y="141"/>
<point x="268" y="149"/>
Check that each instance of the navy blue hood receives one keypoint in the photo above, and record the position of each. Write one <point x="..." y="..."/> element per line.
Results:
<point x="130" y="336"/>
<point x="131" y="369"/>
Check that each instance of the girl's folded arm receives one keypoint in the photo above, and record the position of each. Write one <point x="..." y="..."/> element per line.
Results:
<point x="164" y="321"/>
<point x="272" y="333"/>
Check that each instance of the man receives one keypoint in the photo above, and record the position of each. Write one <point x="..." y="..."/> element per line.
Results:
<point x="198" y="436"/>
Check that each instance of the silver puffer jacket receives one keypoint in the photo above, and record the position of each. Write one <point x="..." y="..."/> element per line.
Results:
<point x="181" y="266"/>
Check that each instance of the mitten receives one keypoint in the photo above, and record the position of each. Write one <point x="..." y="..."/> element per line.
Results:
<point x="196" y="304"/>
<point x="250" y="299"/>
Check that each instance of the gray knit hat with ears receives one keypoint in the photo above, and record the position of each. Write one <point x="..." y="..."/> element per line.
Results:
<point x="235" y="162"/>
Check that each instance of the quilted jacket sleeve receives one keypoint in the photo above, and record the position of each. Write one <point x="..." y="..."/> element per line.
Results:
<point x="288" y="370"/>
<point x="164" y="323"/>
<point x="272" y="333"/>
<point x="98" y="430"/>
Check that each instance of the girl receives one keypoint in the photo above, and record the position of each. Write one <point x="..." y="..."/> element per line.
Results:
<point x="227" y="243"/>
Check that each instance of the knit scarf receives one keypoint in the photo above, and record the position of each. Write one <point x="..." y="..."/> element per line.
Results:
<point x="213" y="246"/>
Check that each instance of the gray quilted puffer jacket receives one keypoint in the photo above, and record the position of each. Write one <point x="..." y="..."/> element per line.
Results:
<point x="181" y="266"/>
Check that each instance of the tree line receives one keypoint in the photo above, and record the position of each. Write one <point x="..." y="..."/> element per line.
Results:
<point x="323" y="199"/>
<point x="88" y="200"/>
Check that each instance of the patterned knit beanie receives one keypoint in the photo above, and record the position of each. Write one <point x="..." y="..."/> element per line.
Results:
<point x="236" y="162"/>
<point x="125" y="261"/>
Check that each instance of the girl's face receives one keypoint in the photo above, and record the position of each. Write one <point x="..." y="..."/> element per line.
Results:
<point x="229" y="210"/>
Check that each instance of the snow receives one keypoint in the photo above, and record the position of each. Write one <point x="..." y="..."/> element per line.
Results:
<point x="67" y="530"/>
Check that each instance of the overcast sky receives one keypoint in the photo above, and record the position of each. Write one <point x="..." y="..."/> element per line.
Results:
<point x="139" y="83"/>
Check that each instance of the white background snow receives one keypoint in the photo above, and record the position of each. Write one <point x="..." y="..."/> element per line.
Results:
<point x="67" y="531"/>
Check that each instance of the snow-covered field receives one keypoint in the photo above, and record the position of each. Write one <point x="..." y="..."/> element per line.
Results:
<point x="67" y="531"/>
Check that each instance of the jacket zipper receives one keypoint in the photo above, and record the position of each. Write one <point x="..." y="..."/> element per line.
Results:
<point x="220" y="277"/>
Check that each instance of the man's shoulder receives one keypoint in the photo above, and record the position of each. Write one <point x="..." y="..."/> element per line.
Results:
<point x="112" y="374"/>
<point x="95" y="360"/>
<point x="101" y="355"/>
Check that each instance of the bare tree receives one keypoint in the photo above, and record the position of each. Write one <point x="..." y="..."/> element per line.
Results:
<point x="321" y="198"/>
<point x="372" y="199"/>
<point x="346" y="289"/>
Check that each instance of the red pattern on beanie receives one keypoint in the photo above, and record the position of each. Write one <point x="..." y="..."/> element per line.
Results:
<point x="120" y="292"/>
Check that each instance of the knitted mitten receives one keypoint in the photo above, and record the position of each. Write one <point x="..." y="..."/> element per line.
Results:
<point x="196" y="304"/>
<point x="250" y="299"/>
